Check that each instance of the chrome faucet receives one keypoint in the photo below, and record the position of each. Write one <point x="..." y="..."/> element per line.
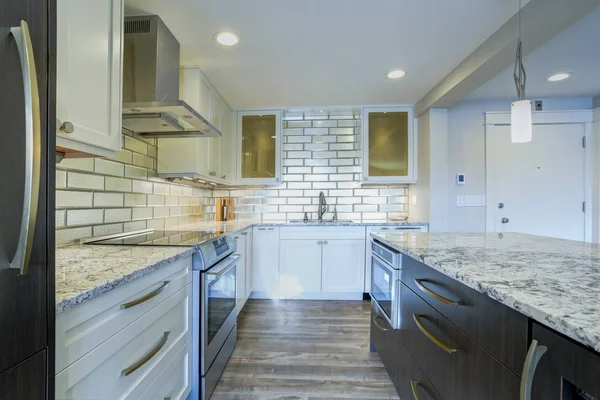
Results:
<point x="322" y="206"/>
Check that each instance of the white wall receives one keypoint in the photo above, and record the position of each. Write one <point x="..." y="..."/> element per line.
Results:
<point x="466" y="154"/>
<point x="594" y="143"/>
<point x="431" y="189"/>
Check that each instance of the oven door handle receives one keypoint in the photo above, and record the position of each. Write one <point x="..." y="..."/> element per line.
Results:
<point x="223" y="267"/>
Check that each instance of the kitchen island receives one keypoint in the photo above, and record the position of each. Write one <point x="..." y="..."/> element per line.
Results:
<point x="494" y="294"/>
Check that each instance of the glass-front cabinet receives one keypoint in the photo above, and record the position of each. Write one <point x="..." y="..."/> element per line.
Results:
<point x="259" y="147"/>
<point x="388" y="145"/>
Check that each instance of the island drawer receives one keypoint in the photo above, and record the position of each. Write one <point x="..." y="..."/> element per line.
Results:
<point x="457" y="367"/>
<point x="383" y="339"/>
<point x="410" y="381"/>
<point x="84" y="327"/>
<point x="124" y="366"/>
<point x="497" y="328"/>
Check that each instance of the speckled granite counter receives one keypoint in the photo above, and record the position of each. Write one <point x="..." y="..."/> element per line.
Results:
<point x="84" y="272"/>
<point x="555" y="282"/>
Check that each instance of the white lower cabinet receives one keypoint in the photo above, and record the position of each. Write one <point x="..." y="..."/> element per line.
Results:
<point x="299" y="267"/>
<point x="343" y="266"/>
<point x="174" y="382"/>
<point x="249" y="262"/>
<point x="130" y="343"/>
<point x="265" y="260"/>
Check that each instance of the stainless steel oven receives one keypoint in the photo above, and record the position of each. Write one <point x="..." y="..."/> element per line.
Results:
<point x="385" y="281"/>
<point x="215" y="315"/>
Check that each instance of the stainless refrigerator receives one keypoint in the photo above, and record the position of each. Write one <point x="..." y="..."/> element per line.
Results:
<point x="27" y="160"/>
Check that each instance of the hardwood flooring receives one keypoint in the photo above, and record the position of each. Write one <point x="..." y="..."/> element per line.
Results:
<point x="296" y="349"/>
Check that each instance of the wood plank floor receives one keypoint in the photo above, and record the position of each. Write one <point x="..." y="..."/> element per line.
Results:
<point x="296" y="349"/>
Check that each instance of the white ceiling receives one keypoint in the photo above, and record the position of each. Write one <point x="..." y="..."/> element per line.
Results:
<point x="327" y="52"/>
<point x="574" y="50"/>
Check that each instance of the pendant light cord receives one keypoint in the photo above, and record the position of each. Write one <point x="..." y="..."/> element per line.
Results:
<point x="519" y="74"/>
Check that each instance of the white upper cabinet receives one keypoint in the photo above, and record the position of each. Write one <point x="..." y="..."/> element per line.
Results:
<point x="227" y="151"/>
<point x="202" y="158"/>
<point x="389" y="154"/>
<point x="258" y="155"/>
<point x="89" y="76"/>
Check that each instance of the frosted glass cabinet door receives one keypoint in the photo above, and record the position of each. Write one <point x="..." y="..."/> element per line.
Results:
<point x="89" y="75"/>
<point x="388" y="145"/>
<point x="259" y="154"/>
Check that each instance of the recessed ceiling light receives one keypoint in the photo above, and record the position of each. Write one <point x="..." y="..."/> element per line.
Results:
<point x="560" y="76"/>
<point x="395" y="74"/>
<point x="227" y="38"/>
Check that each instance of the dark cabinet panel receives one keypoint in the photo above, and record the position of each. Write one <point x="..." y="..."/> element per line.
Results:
<point x="457" y="367"/>
<point x="497" y="328"/>
<point x="23" y="299"/>
<point x="410" y="380"/>
<point x="383" y="339"/>
<point x="26" y="381"/>
<point x="567" y="371"/>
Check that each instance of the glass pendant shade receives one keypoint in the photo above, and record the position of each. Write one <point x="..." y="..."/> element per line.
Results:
<point x="521" y="128"/>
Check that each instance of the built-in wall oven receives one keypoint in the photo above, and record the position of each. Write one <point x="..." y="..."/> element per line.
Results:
<point x="385" y="281"/>
<point x="215" y="329"/>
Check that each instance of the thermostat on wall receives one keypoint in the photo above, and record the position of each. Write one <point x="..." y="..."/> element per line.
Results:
<point x="460" y="179"/>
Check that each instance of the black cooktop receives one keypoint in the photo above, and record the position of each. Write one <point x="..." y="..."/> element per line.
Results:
<point x="160" y="238"/>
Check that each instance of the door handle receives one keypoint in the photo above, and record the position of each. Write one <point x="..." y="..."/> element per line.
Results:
<point x="504" y="220"/>
<point x="535" y="353"/>
<point x="33" y="140"/>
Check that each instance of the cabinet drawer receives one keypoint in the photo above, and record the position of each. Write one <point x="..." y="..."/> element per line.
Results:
<point x="466" y="373"/>
<point x="174" y="383"/>
<point x="409" y="378"/>
<point x="82" y="328"/>
<point x="383" y="339"/>
<point x="322" y="232"/>
<point x="108" y="372"/>
<point x="504" y="332"/>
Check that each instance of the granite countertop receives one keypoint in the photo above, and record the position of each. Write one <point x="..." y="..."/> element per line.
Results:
<point x="553" y="281"/>
<point x="84" y="272"/>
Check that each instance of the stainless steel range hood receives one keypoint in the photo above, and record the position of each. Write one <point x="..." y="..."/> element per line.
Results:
<point x="151" y="105"/>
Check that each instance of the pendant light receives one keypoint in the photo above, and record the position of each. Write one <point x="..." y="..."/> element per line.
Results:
<point x="521" y="125"/>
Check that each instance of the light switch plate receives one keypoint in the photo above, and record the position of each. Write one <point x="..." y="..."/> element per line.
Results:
<point x="414" y="200"/>
<point x="460" y="201"/>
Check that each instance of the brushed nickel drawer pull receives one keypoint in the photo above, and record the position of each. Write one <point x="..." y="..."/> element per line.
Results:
<point x="138" y="364"/>
<point x="414" y="386"/>
<point x="377" y="324"/>
<point x="436" y="341"/>
<point x="436" y="296"/>
<point x="147" y="297"/>
<point x="167" y="398"/>
<point x="535" y="353"/>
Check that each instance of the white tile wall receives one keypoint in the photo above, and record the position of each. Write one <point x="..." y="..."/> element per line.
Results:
<point x="97" y="197"/>
<point x="321" y="152"/>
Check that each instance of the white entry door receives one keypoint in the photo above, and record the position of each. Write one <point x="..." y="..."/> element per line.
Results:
<point x="536" y="187"/>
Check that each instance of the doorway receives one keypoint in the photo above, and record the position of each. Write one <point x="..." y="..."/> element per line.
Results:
<point x="537" y="187"/>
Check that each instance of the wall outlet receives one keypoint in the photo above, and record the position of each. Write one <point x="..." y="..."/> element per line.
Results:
<point x="539" y="105"/>
<point x="460" y="201"/>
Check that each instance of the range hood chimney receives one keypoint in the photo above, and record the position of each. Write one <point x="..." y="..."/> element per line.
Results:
<point x="151" y="105"/>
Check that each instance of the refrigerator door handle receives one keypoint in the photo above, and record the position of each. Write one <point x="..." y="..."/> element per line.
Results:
<point x="33" y="138"/>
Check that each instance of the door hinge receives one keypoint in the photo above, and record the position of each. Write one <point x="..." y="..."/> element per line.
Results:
<point x="583" y="207"/>
<point x="584" y="142"/>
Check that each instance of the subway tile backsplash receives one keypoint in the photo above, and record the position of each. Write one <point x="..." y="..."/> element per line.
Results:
<point x="97" y="197"/>
<point x="321" y="152"/>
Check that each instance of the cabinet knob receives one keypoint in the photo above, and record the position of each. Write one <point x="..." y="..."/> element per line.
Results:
<point x="223" y="176"/>
<point x="319" y="242"/>
<point x="66" y="127"/>
<point x="325" y="242"/>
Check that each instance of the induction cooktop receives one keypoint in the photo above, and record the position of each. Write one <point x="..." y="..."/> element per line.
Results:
<point x="157" y="238"/>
